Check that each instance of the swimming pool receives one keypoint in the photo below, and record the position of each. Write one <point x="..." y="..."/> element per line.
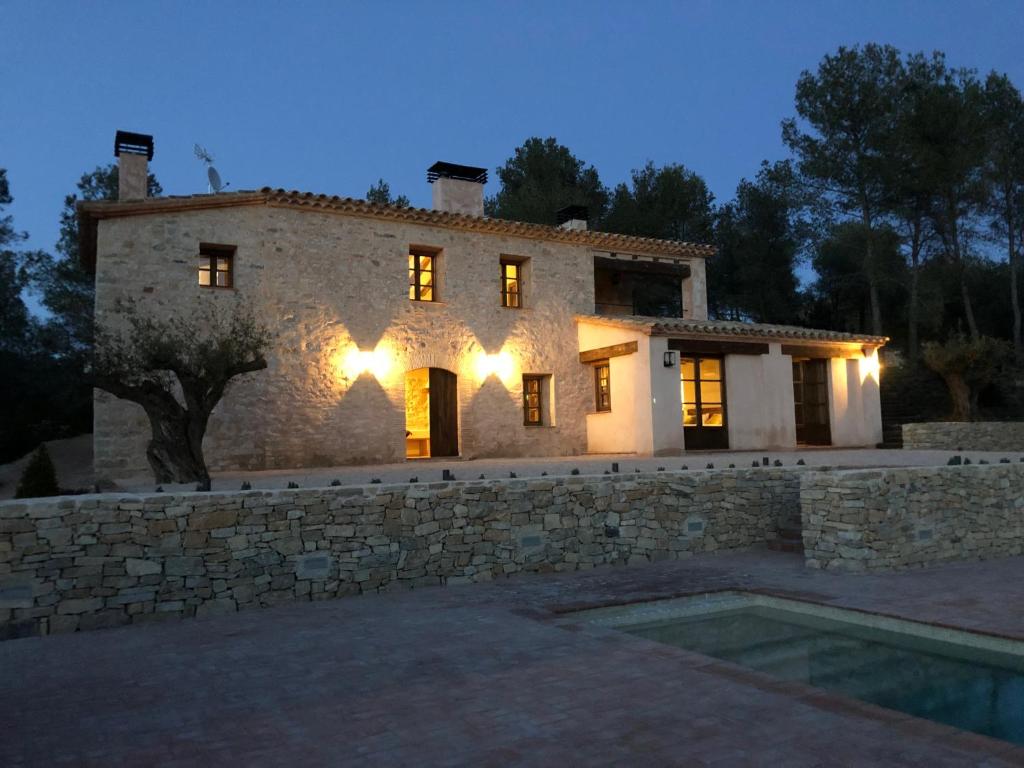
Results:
<point x="970" y="681"/>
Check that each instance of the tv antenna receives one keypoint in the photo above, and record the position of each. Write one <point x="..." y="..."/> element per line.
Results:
<point x="215" y="183"/>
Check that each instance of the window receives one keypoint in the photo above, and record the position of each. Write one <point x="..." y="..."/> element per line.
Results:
<point x="702" y="392"/>
<point x="511" y="283"/>
<point x="603" y="386"/>
<point x="215" y="265"/>
<point x="533" y="400"/>
<point x="422" y="275"/>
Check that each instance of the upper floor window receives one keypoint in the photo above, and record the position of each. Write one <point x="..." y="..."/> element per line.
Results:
<point x="533" y="399"/>
<point x="422" y="274"/>
<point x="602" y="386"/>
<point x="216" y="265"/>
<point x="511" y="283"/>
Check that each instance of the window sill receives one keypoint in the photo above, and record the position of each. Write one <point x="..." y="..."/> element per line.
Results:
<point x="421" y="303"/>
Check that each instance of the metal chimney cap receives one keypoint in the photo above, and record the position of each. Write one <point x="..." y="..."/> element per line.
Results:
<point x="443" y="170"/>
<point x="571" y="213"/>
<point x="133" y="144"/>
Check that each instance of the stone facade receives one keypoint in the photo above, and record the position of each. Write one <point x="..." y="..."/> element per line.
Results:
<point x="897" y="518"/>
<point x="965" y="436"/>
<point x="328" y="285"/>
<point x="76" y="563"/>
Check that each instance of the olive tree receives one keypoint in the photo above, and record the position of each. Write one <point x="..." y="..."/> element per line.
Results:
<point x="178" y="370"/>
<point x="967" y="365"/>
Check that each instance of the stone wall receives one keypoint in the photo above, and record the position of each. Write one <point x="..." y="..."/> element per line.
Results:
<point x="329" y="285"/>
<point x="965" y="436"/>
<point x="896" y="518"/>
<point x="75" y="563"/>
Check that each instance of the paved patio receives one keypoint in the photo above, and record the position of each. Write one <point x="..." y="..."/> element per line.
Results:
<point x="483" y="675"/>
<point x="471" y="469"/>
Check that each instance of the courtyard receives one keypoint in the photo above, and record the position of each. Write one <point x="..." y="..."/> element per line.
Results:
<point x="486" y="674"/>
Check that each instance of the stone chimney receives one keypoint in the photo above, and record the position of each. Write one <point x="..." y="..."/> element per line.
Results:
<point x="572" y="217"/>
<point x="133" y="152"/>
<point x="458" y="188"/>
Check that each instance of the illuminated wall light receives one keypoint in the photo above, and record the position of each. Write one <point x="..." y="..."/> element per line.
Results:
<point x="501" y="365"/>
<point x="870" y="365"/>
<point x="357" y="362"/>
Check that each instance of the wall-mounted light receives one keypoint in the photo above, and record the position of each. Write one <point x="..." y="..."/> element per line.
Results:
<point x="501" y="365"/>
<point x="870" y="365"/>
<point x="669" y="359"/>
<point x="356" y="362"/>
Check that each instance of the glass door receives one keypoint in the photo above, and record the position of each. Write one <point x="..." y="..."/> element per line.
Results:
<point x="810" y="399"/>
<point x="703" y="395"/>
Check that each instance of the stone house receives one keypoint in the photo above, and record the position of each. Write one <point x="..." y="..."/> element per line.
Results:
<point x="413" y="333"/>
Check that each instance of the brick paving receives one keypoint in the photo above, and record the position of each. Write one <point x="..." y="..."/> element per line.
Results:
<point x="484" y="675"/>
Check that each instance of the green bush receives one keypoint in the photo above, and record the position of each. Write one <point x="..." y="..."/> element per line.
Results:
<point x="39" y="477"/>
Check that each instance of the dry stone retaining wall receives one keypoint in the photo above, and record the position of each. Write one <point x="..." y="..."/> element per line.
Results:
<point x="965" y="436"/>
<point x="896" y="518"/>
<point x="74" y="563"/>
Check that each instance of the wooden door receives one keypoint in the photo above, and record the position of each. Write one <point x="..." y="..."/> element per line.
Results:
<point x="444" y="413"/>
<point x="703" y="397"/>
<point x="810" y="398"/>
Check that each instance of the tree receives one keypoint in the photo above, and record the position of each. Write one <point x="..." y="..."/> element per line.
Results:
<point x="1004" y="127"/>
<point x="967" y="365"/>
<point x="842" y="291"/>
<point x="178" y="370"/>
<point x="39" y="478"/>
<point x="909" y="194"/>
<point x="759" y="237"/>
<point x="380" y="193"/>
<point x="542" y="177"/>
<point x="951" y="141"/>
<point x="670" y="203"/>
<point x="33" y="388"/>
<point x="849" y="108"/>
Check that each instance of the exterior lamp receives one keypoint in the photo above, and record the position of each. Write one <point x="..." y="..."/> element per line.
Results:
<point x="501" y="365"/>
<point x="870" y="366"/>
<point x="669" y="358"/>
<point x="357" y="362"/>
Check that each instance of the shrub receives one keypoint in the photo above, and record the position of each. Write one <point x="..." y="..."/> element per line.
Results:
<point x="39" y="478"/>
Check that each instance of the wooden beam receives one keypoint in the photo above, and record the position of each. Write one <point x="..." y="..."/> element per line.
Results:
<point x="821" y="351"/>
<point x="713" y="347"/>
<point x="603" y="353"/>
<point x="643" y="266"/>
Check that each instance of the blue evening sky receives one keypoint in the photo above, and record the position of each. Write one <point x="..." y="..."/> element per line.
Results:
<point x="329" y="96"/>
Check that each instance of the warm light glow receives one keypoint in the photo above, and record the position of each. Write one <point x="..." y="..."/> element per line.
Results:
<point x="870" y="366"/>
<point x="357" y="362"/>
<point x="501" y="365"/>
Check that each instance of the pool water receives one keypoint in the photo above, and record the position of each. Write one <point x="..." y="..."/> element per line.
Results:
<point x="962" y="684"/>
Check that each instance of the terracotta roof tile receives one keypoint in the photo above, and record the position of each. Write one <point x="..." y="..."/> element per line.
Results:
<point x="90" y="212"/>
<point x="678" y="326"/>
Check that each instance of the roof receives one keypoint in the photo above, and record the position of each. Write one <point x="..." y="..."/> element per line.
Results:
<point x="90" y="212"/>
<point x="678" y="326"/>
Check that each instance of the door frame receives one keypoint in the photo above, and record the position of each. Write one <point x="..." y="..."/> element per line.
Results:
<point x="700" y="437"/>
<point x="443" y="404"/>
<point x="815" y="434"/>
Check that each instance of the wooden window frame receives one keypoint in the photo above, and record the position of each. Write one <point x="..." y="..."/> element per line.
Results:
<point x="698" y="402"/>
<point x="506" y="294"/>
<point x="211" y="253"/>
<point x="603" y="400"/>
<point x="415" y="270"/>
<point x="540" y="380"/>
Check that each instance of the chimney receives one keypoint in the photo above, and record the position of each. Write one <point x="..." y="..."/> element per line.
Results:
<point x="572" y="217"/>
<point x="133" y="152"/>
<point x="458" y="188"/>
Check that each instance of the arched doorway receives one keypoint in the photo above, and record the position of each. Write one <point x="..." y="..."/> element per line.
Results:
<point x="431" y="413"/>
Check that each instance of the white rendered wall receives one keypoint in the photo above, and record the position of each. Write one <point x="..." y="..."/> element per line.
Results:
<point x="855" y="409"/>
<point x="759" y="400"/>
